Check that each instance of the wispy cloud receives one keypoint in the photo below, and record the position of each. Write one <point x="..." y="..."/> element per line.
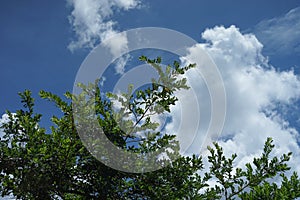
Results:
<point x="281" y="34"/>
<point x="92" y="23"/>
<point x="254" y="91"/>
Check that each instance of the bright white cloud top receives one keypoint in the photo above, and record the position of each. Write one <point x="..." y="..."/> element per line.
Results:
<point x="254" y="90"/>
<point x="91" y="20"/>
<point x="92" y="24"/>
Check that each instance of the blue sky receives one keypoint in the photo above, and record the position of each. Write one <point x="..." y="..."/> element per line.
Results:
<point x="35" y="35"/>
<point x="35" y="54"/>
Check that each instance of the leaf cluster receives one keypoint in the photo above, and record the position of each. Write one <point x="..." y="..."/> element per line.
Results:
<point x="37" y="164"/>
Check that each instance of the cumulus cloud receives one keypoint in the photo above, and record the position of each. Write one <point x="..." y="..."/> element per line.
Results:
<point x="255" y="92"/>
<point x="3" y="119"/>
<point x="118" y="45"/>
<point x="281" y="34"/>
<point x="92" y="23"/>
<point x="91" y="20"/>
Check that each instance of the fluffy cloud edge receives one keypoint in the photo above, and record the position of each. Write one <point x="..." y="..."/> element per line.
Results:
<point x="3" y="119"/>
<point x="91" y="20"/>
<point x="254" y="90"/>
<point x="92" y="23"/>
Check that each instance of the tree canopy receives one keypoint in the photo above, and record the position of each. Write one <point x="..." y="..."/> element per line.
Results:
<point x="35" y="164"/>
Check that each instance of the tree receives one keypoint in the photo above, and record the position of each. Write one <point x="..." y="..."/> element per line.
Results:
<point x="38" y="165"/>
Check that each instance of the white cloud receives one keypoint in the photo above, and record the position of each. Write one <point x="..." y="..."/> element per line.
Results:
<point x="118" y="45"/>
<point x="3" y="119"/>
<point x="281" y="34"/>
<point x="91" y="20"/>
<point x="254" y="89"/>
<point x="92" y="23"/>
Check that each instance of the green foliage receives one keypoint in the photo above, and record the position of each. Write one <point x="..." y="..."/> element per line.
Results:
<point x="233" y="181"/>
<point x="39" y="165"/>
